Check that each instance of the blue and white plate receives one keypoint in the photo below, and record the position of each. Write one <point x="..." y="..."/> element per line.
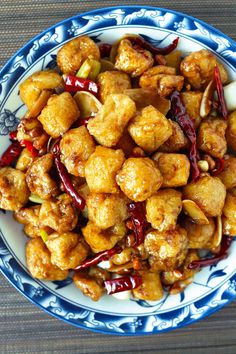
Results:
<point x="213" y="287"/>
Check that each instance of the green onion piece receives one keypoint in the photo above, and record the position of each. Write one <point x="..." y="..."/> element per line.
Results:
<point x="89" y="69"/>
<point x="84" y="70"/>
<point x="44" y="235"/>
<point x="35" y="198"/>
<point x="96" y="67"/>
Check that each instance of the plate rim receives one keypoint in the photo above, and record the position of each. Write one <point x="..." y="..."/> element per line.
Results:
<point x="108" y="8"/>
<point x="6" y="66"/>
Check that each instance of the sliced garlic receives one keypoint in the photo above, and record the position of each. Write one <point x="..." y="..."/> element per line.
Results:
<point x="206" y="102"/>
<point x="203" y="165"/>
<point x="104" y="264"/>
<point x="195" y="213"/>
<point x="87" y="103"/>
<point x="106" y="65"/>
<point x="123" y="295"/>
<point x="217" y="237"/>
<point x="229" y="94"/>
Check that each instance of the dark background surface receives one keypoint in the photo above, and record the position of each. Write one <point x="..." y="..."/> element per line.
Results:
<point x="24" y="328"/>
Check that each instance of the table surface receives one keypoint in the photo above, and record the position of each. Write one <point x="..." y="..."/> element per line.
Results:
<point x="24" y="328"/>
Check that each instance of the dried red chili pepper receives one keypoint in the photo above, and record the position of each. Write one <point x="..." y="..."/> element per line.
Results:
<point x="105" y="50"/>
<point x="220" y="166"/>
<point x="139" y="41"/>
<point x="29" y="146"/>
<point x="129" y="225"/>
<point x="11" y="154"/>
<point x="222" y="254"/>
<point x="137" y="215"/>
<point x="220" y="93"/>
<point x="122" y="284"/>
<point x="65" y="179"/>
<point x="207" y="262"/>
<point x="13" y="135"/>
<point x="74" y="84"/>
<point x="179" y="114"/>
<point x="193" y="157"/>
<point x="101" y="256"/>
<point x="216" y="105"/>
<point x="225" y="243"/>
